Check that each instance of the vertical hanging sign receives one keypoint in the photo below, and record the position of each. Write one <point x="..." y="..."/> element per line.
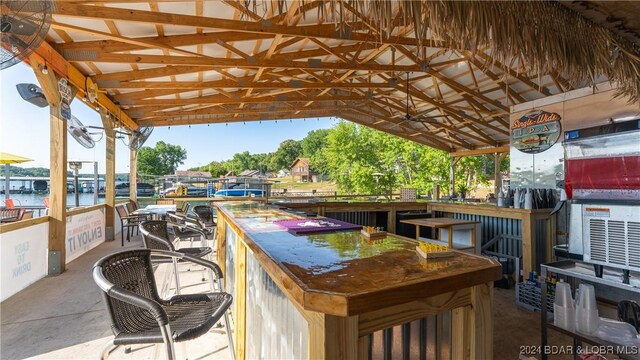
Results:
<point x="66" y="94"/>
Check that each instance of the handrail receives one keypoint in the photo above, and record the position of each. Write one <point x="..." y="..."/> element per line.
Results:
<point x="82" y="210"/>
<point x="21" y="224"/>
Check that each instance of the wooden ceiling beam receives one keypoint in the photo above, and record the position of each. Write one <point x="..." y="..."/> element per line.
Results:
<point x="173" y="41"/>
<point x="225" y="118"/>
<point x="267" y="27"/>
<point x="516" y="97"/>
<point x="244" y="111"/>
<point x="224" y="84"/>
<point x="241" y="63"/>
<point x="489" y="60"/>
<point x="397" y="125"/>
<point x="65" y="69"/>
<point x="491" y="150"/>
<point x="217" y="99"/>
<point x="123" y="39"/>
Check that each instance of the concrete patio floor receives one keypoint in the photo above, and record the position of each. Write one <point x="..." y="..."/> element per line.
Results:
<point x="64" y="317"/>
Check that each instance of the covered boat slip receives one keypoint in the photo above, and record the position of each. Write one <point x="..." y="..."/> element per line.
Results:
<point x="333" y="295"/>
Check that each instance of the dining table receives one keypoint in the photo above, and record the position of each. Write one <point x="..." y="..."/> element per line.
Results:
<point x="156" y="210"/>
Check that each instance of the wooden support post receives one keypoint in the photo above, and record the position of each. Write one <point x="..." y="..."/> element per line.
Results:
<point x="221" y="244"/>
<point x="452" y="175"/>
<point x="110" y="176"/>
<point x="58" y="168"/>
<point x="499" y="157"/>
<point x="528" y="244"/>
<point x="333" y="337"/>
<point x="481" y="322"/>
<point x="133" y="182"/>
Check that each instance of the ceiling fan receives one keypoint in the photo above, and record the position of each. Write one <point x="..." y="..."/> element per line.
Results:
<point x="421" y="118"/>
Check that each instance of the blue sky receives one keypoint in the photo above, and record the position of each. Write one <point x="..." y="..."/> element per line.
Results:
<point x="24" y="130"/>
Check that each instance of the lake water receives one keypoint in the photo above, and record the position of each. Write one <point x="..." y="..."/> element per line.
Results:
<point x="36" y="199"/>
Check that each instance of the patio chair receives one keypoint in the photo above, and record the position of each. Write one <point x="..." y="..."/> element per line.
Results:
<point x="9" y="215"/>
<point x="184" y="209"/>
<point x="138" y="314"/>
<point x="132" y="206"/>
<point x="128" y="222"/>
<point x="10" y="203"/>
<point x="165" y="202"/>
<point x="156" y="237"/>
<point x="205" y="214"/>
<point x="191" y="223"/>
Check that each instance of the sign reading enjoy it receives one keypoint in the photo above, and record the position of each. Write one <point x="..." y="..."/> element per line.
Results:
<point x="536" y="131"/>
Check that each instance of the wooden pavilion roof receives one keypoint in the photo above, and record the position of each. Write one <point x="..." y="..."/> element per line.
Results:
<point x="169" y="63"/>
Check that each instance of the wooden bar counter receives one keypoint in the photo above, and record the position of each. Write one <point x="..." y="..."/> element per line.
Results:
<point x="332" y="295"/>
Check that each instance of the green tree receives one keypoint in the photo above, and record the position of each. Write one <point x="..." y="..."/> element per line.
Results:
<point x="162" y="159"/>
<point x="288" y="151"/>
<point x="313" y="147"/>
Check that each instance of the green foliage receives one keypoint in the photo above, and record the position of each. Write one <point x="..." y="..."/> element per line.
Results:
<point x="350" y="154"/>
<point x="288" y="151"/>
<point x="354" y="153"/>
<point x="163" y="159"/>
<point x="313" y="147"/>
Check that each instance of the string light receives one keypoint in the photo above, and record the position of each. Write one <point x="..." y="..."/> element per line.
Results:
<point x="45" y="69"/>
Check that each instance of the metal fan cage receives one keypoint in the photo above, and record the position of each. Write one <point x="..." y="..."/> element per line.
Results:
<point x="23" y="26"/>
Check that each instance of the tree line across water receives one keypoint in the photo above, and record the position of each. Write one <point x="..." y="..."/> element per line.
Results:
<point x="349" y="155"/>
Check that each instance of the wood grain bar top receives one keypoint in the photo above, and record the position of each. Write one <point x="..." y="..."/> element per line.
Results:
<point x="438" y="222"/>
<point x="343" y="274"/>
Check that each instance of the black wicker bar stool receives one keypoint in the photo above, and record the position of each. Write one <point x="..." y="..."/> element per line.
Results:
<point x="138" y="314"/>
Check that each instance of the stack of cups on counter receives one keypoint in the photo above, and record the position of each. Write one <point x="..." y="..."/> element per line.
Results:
<point x="587" y="319"/>
<point x="564" y="312"/>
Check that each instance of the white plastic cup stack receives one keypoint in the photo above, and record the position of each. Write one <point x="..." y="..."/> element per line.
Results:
<point x="564" y="312"/>
<point x="587" y="319"/>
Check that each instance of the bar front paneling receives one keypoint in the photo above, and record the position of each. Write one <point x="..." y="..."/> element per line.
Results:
<point x="230" y="260"/>
<point x="275" y="327"/>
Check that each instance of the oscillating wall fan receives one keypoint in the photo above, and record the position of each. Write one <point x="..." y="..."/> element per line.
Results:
<point x="80" y="133"/>
<point x="23" y="26"/>
<point x="139" y="137"/>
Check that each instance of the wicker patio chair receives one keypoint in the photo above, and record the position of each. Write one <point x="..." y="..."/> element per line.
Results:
<point x="155" y="236"/>
<point x="205" y="214"/>
<point x="184" y="209"/>
<point x="138" y="314"/>
<point x="128" y="221"/>
<point x="193" y="223"/>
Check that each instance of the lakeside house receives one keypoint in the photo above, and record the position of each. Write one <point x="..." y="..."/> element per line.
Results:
<point x="301" y="167"/>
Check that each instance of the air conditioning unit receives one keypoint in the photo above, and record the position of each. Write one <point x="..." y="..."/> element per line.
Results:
<point x="611" y="235"/>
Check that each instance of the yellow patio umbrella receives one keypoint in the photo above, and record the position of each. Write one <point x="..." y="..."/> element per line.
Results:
<point x="7" y="159"/>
